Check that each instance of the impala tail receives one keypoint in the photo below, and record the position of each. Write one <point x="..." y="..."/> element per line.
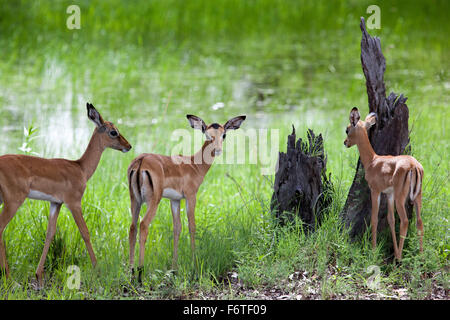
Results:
<point x="133" y="179"/>
<point x="416" y="183"/>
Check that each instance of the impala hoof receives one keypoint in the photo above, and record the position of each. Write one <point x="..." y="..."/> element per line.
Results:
<point x="140" y="271"/>
<point x="37" y="284"/>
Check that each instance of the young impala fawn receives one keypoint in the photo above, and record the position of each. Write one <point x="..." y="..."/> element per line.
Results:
<point x="153" y="176"/>
<point x="396" y="176"/>
<point x="57" y="181"/>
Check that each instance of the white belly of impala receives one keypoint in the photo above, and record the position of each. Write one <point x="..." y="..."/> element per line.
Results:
<point x="172" y="194"/>
<point x="37" y="195"/>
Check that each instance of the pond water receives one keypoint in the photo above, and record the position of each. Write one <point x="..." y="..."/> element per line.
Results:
<point x="309" y="79"/>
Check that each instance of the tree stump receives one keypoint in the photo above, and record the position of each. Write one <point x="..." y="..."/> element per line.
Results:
<point x="390" y="136"/>
<point x="301" y="186"/>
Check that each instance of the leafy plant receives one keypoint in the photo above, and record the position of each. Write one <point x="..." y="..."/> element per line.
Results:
<point x="30" y="134"/>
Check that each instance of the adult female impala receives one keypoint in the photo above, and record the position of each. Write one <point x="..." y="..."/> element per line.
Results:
<point x="57" y="181"/>
<point x="395" y="176"/>
<point x="153" y="176"/>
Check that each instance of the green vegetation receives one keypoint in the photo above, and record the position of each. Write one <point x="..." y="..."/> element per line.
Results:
<point x="145" y="65"/>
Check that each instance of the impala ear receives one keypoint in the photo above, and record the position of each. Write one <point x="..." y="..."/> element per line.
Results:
<point x="371" y="119"/>
<point x="354" y="116"/>
<point x="234" y="123"/>
<point x="196" y="122"/>
<point x="94" y="115"/>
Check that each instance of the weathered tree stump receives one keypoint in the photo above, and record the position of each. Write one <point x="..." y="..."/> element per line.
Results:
<point x="301" y="186"/>
<point x="390" y="136"/>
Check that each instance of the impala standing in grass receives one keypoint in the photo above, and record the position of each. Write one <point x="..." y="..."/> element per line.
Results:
<point x="153" y="176"/>
<point x="396" y="176"/>
<point x="57" y="181"/>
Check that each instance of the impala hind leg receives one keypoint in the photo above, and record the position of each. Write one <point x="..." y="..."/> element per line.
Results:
<point x="51" y="229"/>
<point x="77" y="214"/>
<point x="143" y="231"/>
<point x="419" y="223"/>
<point x="9" y="210"/>
<point x="135" y="209"/>
<point x="404" y="222"/>
<point x="391" y="221"/>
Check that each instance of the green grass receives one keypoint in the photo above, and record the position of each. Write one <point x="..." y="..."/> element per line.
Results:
<point x="145" y="65"/>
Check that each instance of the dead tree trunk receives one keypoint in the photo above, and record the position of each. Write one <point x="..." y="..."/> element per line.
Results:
<point x="301" y="186"/>
<point x="390" y="136"/>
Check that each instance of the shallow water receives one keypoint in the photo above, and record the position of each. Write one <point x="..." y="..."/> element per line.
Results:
<point x="306" y="79"/>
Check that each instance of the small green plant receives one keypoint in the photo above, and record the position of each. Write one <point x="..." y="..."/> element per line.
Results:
<point x="30" y="134"/>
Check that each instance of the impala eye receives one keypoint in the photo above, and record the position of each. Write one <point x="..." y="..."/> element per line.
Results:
<point x="224" y="135"/>
<point x="346" y="131"/>
<point x="113" y="133"/>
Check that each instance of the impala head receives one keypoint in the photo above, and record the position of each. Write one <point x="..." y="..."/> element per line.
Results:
<point x="358" y="127"/>
<point x="109" y="134"/>
<point x="215" y="132"/>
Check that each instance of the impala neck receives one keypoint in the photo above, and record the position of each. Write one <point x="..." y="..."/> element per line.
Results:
<point x="199" y="160"/>
<point x="366" y="151"/>
<point x="91" y="157"/>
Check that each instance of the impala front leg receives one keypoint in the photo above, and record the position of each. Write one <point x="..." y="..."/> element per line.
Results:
<point x="175" y="206"/>
<point x="51" y="229"/>
<point x="190" y="204"/>
<point x="374" y="217"/>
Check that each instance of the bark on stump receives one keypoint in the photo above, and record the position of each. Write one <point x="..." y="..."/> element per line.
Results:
<point x="390" y="136"/>
<point x="301" y="186"/>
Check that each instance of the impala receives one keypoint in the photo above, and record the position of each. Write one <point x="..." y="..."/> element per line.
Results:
<point x="396" y="176"/>
<point x="57" y="181"/>
<point x="153" y="176"/>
